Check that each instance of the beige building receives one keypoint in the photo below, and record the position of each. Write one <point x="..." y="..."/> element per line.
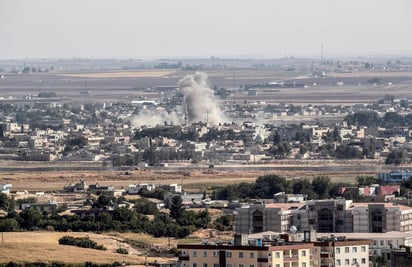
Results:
<point x="276" y="255"/>
<point x="324" y="216"/>
<point x="338" y="251"/>
<point x="381" y="244"/>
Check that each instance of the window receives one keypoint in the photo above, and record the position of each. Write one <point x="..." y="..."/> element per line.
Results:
<point x="354" y="249"/>
<point x="363" y="248"/>
<point x="346" y="249"/>
<point x="251" y="265"/>
<point x="337" y="250"/>
<point x="311" y="208"/>
<point x="229" y="265"/>
<point x="215" y="254"/>
<point x="304" y="253"/>
<point x="382" y="243"/>
<point x="229" y="254"/>
<point x="354" y="261"/>
<point x="204" y="264"/>
<point x="204" y="253"/>
<point x="240" y="265"/>
<point x="194" y="253"/>
<point x="251" y="255"/>
<point x="240" y="255"/>
<point x="277" y="265"/>
<point x="194" y="265"/>
<point x="303" y="264"/>
<point x="363" y="260"/>
<point x="216" y="265"/>
<point x="338" y="262"/>
<point x="312" y="221"/>
<point x="346" y="261"/>
<point x="277" y="255"/>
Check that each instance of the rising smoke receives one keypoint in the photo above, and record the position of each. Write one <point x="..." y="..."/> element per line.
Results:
<point x="199" y="99"/>
<point x="152" y="118"/>
<point x="199" y="103"/>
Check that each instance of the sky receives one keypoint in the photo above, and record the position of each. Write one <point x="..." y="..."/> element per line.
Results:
<point x="152" y="29"/>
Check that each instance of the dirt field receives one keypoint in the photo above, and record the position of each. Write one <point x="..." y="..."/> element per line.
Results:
<point x="44" y="247"/>
<point x="121" y="74"/>
<point x="192" y="179"/>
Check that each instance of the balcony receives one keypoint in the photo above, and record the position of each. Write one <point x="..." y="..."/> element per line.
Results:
<point x="262" y="260"/>
<point x="290" y="258"/>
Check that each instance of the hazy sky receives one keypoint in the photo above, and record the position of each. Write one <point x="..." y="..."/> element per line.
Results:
<point x="192" y="28"/>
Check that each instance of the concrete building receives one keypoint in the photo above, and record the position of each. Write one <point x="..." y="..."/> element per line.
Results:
<point x="324" y="216"/>
<point x="327" y="216"/>
<point x="5" y="188"/>
<point x="339" y="251"/>
<point x="380" y="244"/>
<point x="394" y="176"/>
<point x="282" y="197"/>
<point x="381" y="217"/>
<point x="257" y="218"/>
<point x="268" y="255"/>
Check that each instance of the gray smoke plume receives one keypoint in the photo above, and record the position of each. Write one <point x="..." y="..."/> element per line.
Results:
<point x="152" y="118"/>
<point x="199" y="100"/>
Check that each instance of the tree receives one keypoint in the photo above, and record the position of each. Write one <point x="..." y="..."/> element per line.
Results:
<point x="176" y="207"/>
<point x="224" y="223"/>
<point x="9" y="225"/>
<point x="282" y="149"/>
<point x="321" y="186"/>
<point x="268" y="185"/>
<point x="393" y="119"/>
<point x="397" y="157"/>
<point x="30" y="218"/>
<point x="145" y="206"/>
<point x="303" y="186"/>
<point x="151" y="155"/>
<point x="363" y="118"/>
<point x="6" y="203"/>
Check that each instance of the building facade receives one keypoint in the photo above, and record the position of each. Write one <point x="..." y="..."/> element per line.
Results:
<point x="338" y="251"/>
<point x="324" y="216"/>
<point x="275" y="255"/>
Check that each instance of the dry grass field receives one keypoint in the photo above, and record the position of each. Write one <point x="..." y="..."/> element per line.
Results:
<point x="44" y="247"/>
<point x="121" y="74"/>
<point x="192" y="180"/>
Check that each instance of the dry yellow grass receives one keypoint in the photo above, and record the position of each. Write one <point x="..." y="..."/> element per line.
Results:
<point x="374" y="74"/>
<point x="121" y="74"/>
<point x="44" y="247"/>
<point x="198" y="181"/>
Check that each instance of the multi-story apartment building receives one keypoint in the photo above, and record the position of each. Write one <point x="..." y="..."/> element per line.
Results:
<point x="338" y="251"/>
<point x="325" y="216"/>
<point x="256" y="218"/>
<point x="328" y="216"/>
<point x="271" y="251"/>
<point x="271" y="255"/>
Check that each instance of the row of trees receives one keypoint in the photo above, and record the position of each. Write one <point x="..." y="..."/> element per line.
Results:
<point x="265" y="186"/>
<point x="179" y="223"/>
<point x="371" y="119"/>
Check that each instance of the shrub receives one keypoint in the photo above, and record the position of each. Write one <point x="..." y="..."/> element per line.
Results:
<point x="83" y="242"/>
<point x="122" y="251"/>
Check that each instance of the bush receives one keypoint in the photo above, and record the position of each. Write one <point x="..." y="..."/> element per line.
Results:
<point x="83" y="242"/>
<point x="122" y="251"/>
